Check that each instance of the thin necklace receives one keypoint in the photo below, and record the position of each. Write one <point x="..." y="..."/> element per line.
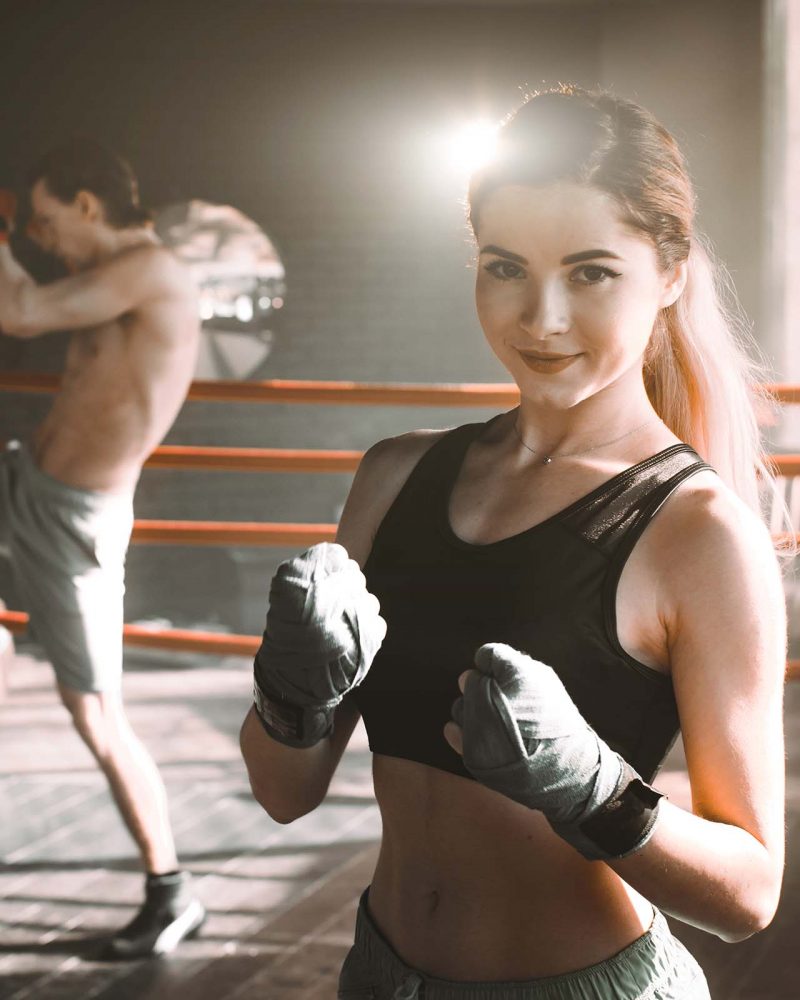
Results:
<point x="569" y="454"/>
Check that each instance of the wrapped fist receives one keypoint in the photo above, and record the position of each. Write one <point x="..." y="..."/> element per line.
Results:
<point x="523" y="736"/>
<point x="323" y="631"/>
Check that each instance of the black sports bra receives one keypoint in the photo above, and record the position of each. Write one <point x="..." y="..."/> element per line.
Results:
<point x="549" y="591"/>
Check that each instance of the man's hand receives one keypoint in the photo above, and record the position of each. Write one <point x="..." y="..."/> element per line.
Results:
<point x="8" y="211"/>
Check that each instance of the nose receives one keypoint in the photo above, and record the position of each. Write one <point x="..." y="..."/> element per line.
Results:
<point x="545" y="310"/>
<point x="36" y="233"/>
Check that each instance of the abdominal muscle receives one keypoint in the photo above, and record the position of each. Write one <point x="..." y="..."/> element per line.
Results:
<point x="472" y="886"/>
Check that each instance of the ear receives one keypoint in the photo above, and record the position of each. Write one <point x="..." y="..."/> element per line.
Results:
<point x="89" y="206"/>
<point x="674" y="284"/>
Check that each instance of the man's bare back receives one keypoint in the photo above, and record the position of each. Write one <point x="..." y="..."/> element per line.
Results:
<point x="123" y="384"/>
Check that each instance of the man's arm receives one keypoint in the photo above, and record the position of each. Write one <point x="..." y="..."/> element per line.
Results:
<point x="89" y="299"/>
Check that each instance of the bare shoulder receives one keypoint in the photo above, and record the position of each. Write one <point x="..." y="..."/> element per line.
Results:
<point x="720" y="579"/>
<point x="400" y="452"/>
<point x="707" y="525"/>
<point x="156" y="268"/>
<point x="381" y="474"/>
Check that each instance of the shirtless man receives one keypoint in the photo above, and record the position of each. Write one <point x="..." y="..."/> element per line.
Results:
<point x="66" y="495"/>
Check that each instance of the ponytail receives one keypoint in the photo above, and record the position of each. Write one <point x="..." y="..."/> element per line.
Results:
<point x="704" y="375"/>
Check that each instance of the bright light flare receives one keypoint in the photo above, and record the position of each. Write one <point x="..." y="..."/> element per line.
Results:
<point x="473" y="145"/>
<point x="244" y="309"/>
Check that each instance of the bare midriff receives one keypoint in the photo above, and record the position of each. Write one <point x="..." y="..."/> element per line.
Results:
<point x="472" y="886"/>
<point x="122" y="386"/>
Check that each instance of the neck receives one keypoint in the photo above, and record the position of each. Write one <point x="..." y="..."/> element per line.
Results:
<point x="547" y="429"/>
<point x="113" y="241"/>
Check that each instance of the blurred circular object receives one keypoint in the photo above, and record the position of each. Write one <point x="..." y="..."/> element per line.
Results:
<point x="242" y="283"/>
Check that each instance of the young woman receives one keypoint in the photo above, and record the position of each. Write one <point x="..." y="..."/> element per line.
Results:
<point x="563" y="586"/>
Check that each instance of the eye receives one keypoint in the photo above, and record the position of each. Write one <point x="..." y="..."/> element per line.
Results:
<point x="504" y="270"/>
<point x="592" y="274"/>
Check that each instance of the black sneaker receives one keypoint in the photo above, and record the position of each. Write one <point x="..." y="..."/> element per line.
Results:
<point x="170" y="914"/>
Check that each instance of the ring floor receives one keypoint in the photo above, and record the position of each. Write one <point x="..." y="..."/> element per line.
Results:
<point x="281" y="899"/>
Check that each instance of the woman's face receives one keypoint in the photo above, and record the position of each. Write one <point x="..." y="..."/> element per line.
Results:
<point x="566" y="293"/>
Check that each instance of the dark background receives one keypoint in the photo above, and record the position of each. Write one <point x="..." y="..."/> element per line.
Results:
<point x="325" y="123"/>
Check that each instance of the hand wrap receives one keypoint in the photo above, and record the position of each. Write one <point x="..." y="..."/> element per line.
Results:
<point x="323" y="631"/>
<point x="524" y="737"/>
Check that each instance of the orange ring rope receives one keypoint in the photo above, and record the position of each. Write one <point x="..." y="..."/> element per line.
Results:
<point x="314" y="460"/>
<point x="347" y="393"/>
<point x="784" y="392"/>
<point x="183" y="640"/>
<point x="785" y="465"/>
<point x="356" y="393"/>
<point x="294" y="391"/>
<point x="254" y="459"/>
<point x="249" y="533"/>
<point x="223" y="459"/>
<point x="186" y="640"/>
<point x="230" y="533"/>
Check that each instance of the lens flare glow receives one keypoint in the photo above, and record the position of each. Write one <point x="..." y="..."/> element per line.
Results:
<point x="473" y="145"/>
<point x="244" y="309"/>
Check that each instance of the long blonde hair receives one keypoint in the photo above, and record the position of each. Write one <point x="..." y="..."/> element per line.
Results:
<point x="704" y="378"/>
<point x="702" y="370"/>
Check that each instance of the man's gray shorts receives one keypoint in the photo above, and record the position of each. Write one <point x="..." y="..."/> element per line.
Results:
<point x="67" y="548"/>
<point x="655" y="967"/>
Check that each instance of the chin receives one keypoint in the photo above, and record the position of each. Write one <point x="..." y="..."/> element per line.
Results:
<point x="549" y="390"/>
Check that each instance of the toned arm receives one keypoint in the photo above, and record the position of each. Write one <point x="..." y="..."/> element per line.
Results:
<point x="291" y="782"/>
<point x="720" y="866"/>
<point x="111" y="289"/>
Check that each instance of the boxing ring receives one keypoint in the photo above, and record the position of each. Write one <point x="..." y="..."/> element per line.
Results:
<point x="282" y="460"/>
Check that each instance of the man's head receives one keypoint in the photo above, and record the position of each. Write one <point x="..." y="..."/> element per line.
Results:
<point x="81" y="193"/>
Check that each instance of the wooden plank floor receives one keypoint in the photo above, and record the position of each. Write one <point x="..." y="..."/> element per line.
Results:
<point x="281" y="899"/>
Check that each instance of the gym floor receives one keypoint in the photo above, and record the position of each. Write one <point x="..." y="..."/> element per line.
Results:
<point x="281" y="899"/>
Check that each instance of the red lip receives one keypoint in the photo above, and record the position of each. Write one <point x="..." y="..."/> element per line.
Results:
<point x="541" y="356"/>
<point x="547" y="363"/>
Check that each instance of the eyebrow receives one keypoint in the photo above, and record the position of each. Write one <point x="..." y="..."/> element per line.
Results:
<point x="500" y="252"/>
<point x="573" y="258"/>
<point x="576" y="258"/>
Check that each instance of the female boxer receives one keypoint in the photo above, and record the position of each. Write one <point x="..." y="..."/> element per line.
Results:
<point x="565" y="586"/>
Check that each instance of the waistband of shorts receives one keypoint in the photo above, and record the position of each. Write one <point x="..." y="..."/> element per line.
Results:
<point x="47" y="486"/>
<point x="657" y="939"/>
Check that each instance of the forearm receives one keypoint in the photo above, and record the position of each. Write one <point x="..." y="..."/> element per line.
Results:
<point x="522" y="735"/>
<point x="286" y="781"/>
<point x="712" y="875"/>
<point x="15" y="284"/>
<point x="322" y="632"/>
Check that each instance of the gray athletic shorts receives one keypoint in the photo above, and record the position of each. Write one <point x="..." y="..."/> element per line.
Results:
<point x="67" y="549"/>
<point x="655" y="967"/>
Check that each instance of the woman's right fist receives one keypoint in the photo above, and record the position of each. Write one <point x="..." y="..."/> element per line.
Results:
<point x="323" y="631"/>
